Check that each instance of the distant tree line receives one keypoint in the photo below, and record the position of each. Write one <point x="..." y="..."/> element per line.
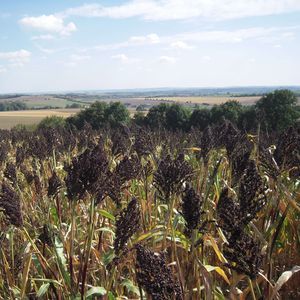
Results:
<point x="101" y="114"/>
<point x="273" y="112"/>
<point x="12" y="105"/>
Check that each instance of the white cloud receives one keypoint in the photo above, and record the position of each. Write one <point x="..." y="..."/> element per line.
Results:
<point x="121" y="57"/>
<point x="236" y="36"/>
<point x="49" y="23"/>
<point x="183" y="40"/>
<point x="45" y="50"/>
<point x="180" y="45"/>
<point x="16" y="58"/>
<point x="2" y="69"/>
<point x="186" y="9"/>
<point x="167" y="59"/>
<point x="76" y="59"/>
<point x="45" y="37"/>
<point x="124" y="59"/>
<point x="152" y="38"/>
<point x="143" y="40"/>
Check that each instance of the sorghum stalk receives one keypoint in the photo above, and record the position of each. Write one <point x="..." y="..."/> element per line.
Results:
<point x="89" y="246"/>
<point x="73" y="224"/>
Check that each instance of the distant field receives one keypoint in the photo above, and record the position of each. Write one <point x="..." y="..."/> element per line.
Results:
<point x="36" y="101"/>
<point x="9" y="119"/>
<point x="211" y="100"/>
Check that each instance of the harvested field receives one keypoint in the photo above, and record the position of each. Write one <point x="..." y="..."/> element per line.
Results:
<point x="9" y="119"/>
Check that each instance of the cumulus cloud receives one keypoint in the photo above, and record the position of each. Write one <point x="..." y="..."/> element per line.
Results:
<point x="16" y="58"/>
<point x="186" y="9"/>
<point x="49" y="23"/>
<point x="167" y="59"/>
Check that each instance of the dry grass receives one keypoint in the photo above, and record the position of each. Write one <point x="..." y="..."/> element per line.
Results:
<point x="9" y="119"/>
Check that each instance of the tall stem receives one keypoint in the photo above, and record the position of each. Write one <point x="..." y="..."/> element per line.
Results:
<point x="89" y="246"/>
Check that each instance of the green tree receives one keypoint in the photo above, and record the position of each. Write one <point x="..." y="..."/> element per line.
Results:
<point x="230" y="110"/>
<point x="139" y="118"/>
<point x="277" y="110"/>
<point x="156" y="116"/>
<point x="177" y="117"/>
<point x="200" y="118"/>
<point x="115" y="114"/>
<point x="248" y="119"/>
<point x="52" y="122"/>
<point x="101" y="114"/>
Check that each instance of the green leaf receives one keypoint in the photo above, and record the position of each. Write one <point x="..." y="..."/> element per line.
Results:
<point x="37" y="264"/>
<point x="106" y="229"/>
<point x="108" y="257"/>
<point x="95" y="291"/>
<point x="111" y="296"/>
<point x="59" y="251"/>
<point x="43" y="289"/>
<point x="130" y="286"/>
<point x="107" y="215"/>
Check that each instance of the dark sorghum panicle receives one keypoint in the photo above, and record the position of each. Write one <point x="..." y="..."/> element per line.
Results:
<point x="120" y="141"/>
<point x="251" y="193"/>
<point x="143" y="143"/>
<point x="191" y="209"/>
<point x="207" y="142"/>
<point x="228" y="212"/>
<point x="85" y="136"/>
<point x="38" y="147"/>
<point x="10" y="202"/>
<point x="128" y="168"/>
<point x="128" y="222"/>
<point x="242" y="250"/>
<point x="20" y="155"/>
<point x="267" y="161"/>
<point x="244" y="254"/>
<point x="3" y="152"/>
<point x="68" y="142"/>
<point x="147" y="170"/>
<point x="38" y="184"/>
<point x="10" y="172"/>
<point x="46" y="237"/>
<point x="54" y="184"/>
<point x="84" y="171"/>
<point x="287" y="152"/>
<point x="154" y="276"/>
<point x="227" y="136"/>
<point x="27" y="174"/>
<point x="239" y="158"/>
<point x="171" y="174"/>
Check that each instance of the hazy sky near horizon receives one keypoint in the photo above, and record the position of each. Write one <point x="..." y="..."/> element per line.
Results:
<point x="61" y="45"/>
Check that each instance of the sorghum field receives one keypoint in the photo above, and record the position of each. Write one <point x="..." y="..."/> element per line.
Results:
<point x="139" y="214"/>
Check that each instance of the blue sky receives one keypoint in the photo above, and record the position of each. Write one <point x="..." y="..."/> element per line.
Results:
<point x="81" y="45"/>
